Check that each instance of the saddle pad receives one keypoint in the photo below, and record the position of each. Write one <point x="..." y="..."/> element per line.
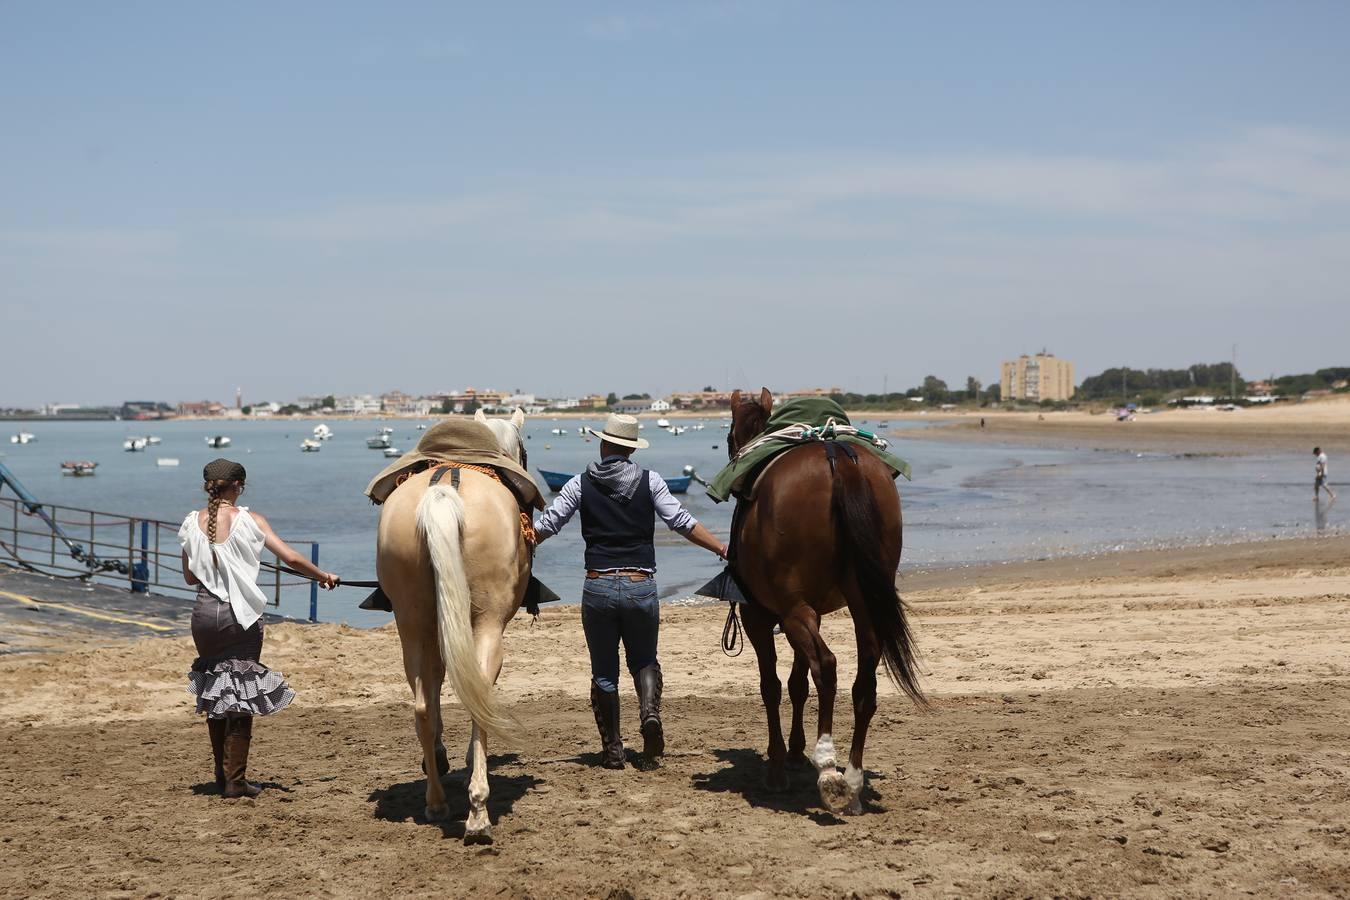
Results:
<point x="459" y="441"/>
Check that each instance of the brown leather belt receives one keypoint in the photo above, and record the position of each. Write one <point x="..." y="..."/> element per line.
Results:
<point x="630" y="574"/>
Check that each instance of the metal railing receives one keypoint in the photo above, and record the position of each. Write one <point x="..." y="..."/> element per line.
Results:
<point x="126" y="551"/>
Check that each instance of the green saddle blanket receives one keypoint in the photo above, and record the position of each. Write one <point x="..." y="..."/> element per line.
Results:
<point x="813" y="412"/>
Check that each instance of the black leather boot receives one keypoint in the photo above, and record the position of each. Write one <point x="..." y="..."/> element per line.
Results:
<point x="238" y="735"/>
<point x="216" y="727"/>
<point x="605" y="704"/>
<point x="648" y="685"/>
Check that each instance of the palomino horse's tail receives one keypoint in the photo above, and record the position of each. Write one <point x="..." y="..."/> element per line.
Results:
<point x="440" y="521"/>
<point x="858" y="521"/>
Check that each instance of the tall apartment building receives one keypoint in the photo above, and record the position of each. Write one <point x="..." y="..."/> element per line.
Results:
<point x="1040" y="377"/>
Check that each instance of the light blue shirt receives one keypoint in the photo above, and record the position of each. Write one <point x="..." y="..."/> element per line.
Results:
<point x="568" y="501"/>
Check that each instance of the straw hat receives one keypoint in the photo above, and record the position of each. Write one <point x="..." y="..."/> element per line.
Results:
<point x="621" y="430"/>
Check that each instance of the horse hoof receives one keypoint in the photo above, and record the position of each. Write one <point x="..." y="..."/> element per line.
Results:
<point x="437" y="813"/>
<point x="834" y="791"/>
<point x="478" y="836"/>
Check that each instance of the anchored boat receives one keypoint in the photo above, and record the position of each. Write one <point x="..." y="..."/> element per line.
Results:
<point x="381" y="441"/>
<point x="23" y="437"/>
<point x="79" y="468"/>
<point x="218" y="441"/>
<point x="135" y="444"/>
<point x="309" y="445"/>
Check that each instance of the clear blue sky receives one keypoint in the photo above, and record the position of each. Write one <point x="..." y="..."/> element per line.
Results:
<point x="330" y="197"/>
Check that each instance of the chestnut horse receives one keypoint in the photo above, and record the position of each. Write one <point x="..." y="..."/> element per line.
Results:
<point x="455" y="565"/>
<point x="817" y="537"/>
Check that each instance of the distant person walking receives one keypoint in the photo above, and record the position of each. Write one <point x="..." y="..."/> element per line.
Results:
<point x="222" y="548"/>
<point x="1320" y="475"/>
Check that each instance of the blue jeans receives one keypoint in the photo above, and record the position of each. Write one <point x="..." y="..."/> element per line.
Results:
<point x="614" y="608"/>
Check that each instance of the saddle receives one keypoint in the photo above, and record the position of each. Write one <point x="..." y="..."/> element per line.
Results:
<point x="449" y="448"/>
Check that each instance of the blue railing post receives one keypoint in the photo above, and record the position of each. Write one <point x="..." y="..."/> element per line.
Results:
<point x="140" y="572"/>
<point x="314" y="585"/>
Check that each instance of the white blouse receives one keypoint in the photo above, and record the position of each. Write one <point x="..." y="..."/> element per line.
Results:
<point x="229" y="569"/>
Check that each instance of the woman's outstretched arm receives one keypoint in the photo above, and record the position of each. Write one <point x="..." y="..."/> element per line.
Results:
<point x="291" y="557"/>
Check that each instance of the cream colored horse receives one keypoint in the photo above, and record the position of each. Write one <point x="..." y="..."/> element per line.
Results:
<point x="455" y="566"/>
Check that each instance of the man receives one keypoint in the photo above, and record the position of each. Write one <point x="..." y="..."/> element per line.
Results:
<point x="1320" y="475"/>
<point x="618" y="501"/>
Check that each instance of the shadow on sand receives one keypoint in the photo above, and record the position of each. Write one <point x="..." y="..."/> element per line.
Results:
<point x="745" y="776"/>
<point x="406" y="802"/>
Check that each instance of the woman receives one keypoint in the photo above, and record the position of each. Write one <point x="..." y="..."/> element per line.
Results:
<point x="221" y="554"/>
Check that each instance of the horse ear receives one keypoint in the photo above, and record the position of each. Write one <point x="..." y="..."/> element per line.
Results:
<point x="766" y="400"/>
<point x="478" y="415"/>
<point x="518" y="417"/>
<point x="736" y="398"/>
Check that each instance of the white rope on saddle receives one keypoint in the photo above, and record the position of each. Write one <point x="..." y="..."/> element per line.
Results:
<point x="801" y="433"/>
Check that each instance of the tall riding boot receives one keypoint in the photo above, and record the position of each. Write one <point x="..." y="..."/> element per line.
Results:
<point x="238" y="733"/>
<point x="217" y="729"/>
<point x="648" y="685"/>
<point x="605" y="704"/>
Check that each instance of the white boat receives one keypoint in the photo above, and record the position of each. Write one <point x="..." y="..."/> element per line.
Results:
<point x="23" y="437"/>
<point x="152" y="440"/>
<point x="662" y="423"/>
<point x="392" y="451"/>
<point x="323" y="433"/>
<point x="217" y="440"/>
<point x="378" y="442"/>
<point x="677" y="429"/>
<point x="559" y="431"/>
<point x="309" y="445"/>
<point x="79" y="468"/>
<point x="699" y="427"/>
<point x="134" y="444"/>
<point x="422" y="427"/>
<point x="166" y="461"/>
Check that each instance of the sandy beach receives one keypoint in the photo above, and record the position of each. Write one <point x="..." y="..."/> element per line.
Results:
<point x="1142" y="724"/>
<point x="1281" y="426"/>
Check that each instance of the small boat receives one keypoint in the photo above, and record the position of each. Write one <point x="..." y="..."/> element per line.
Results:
<point x="422" y="427"/>
<point x="309" y="445"/>
<point x="152" y="441"/>
<point x="79" y="468"/>
<point x="166" y="461"/>
<point x="679" y="484"/>
<point x="662" y="423"/>
<point x="23" y="437"/>
<point x="559" y="431"/>
<point x="217" y="441"/>
<point x="392" y="452"/>
<point x="677" y="429"/>
<point x="378" y="442"/>
<point x="323" y="433"/>
<point x="134" y="444"/>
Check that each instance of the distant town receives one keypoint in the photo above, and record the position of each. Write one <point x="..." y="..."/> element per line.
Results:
<point x="1031" y="380"/>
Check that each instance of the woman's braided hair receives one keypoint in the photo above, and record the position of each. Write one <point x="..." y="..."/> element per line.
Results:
<point x="219" y="475"/>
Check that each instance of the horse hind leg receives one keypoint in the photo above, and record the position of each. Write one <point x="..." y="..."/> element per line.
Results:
<point x="864" y="708"/>
<point x="478" y="825"/>
<point x="759" y="631"/>
<point x="427" y="716"/>
<point x="798" y="691"/>
<point x="803" y="632"/>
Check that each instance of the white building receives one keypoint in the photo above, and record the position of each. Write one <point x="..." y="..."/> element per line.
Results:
<point x="355" y="405"/>
<point x="660" y="406"/>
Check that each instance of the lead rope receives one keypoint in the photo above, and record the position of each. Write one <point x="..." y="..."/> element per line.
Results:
<point x="732" y="642"/>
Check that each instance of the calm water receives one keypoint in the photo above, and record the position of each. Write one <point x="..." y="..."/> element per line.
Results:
<point x="968" y="503"/>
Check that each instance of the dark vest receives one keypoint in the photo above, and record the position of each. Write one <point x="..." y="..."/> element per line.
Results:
<point x="618" y="534"/>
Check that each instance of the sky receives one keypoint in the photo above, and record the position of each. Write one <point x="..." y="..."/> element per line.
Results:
<point x="329" y="197"/>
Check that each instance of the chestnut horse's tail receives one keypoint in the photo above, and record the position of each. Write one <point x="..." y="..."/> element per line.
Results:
<point x="858" y="523"/>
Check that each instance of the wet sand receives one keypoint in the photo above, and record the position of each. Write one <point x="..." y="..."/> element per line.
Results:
<point x="1280" y="427"/>
<point x="1142" y="724"/>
